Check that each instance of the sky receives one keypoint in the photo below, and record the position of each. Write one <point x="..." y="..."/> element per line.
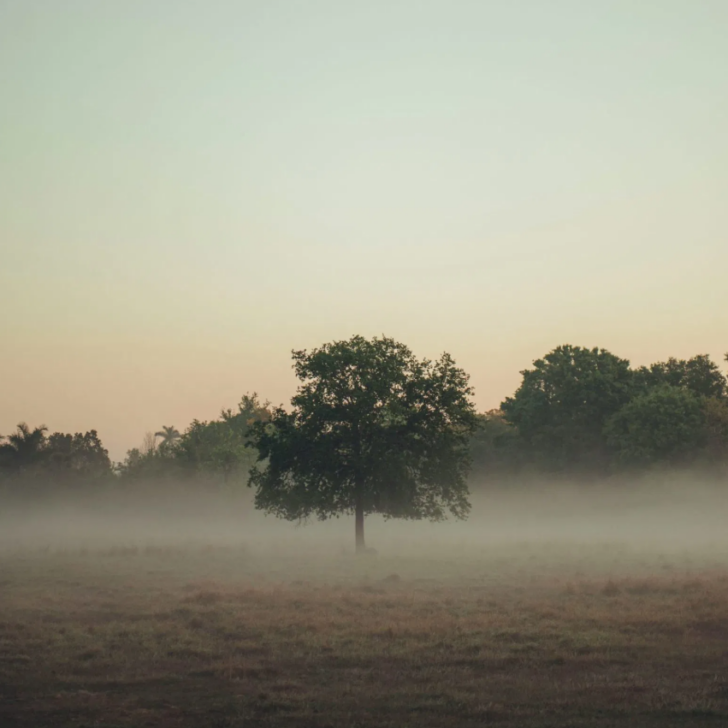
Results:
<point x="189" y="190"/>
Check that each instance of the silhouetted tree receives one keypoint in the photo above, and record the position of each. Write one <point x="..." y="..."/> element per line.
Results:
<point x="77" y="456"/>
<point x="496" y="447"/>
<point x="207" y="451"/>
<point x="716" y="426"/>
<point x="220" y="447"/>
<point x="24" y="447"/>
<point x="563" y="403"/>
<point x="372" y="430"/>
<point x="666" y="424"/>
<point x="700" y="375"/>
<point x="169" y="436"/>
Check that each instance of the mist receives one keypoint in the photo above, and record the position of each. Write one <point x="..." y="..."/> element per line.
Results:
<point x="679" y="511"/>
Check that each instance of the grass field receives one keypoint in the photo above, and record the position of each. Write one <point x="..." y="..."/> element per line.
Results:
<point x="529" y="634"/>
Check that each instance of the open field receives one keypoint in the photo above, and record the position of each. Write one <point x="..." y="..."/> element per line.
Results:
<point x="530" y="634"/>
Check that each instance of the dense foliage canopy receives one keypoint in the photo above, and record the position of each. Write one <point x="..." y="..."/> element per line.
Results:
<point x="372" y="429"/>
<point x="61" y="457"/>
<point x="563" y="403"/>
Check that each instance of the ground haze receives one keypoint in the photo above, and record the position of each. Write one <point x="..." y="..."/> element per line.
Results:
<point x="551" y="606"/>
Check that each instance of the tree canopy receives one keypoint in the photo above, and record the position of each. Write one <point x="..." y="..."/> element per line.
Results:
<point x="24" y="447"/>
<point x="372" y="429"/>
<point x="214" y="450"/>
<point x="496" y="446"/>
<point x="169" y="435"/>
<point x="665" y="424"/>
<point x="78" y="455"/>
<point x="700" y="375"/>
<point x="563" y="403"/>
<point x="585" y="410"/>
<point x="30" y="455"/>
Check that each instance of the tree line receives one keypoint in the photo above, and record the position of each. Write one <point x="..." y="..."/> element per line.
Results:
<point x="209" y="452"/>
<point x="577" y="412"/>
<point x="588" y="412"/>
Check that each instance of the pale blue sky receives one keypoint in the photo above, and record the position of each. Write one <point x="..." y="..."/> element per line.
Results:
<point x="188" y="190"/>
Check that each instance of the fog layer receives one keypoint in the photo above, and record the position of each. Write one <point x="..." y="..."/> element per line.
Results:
<point x="673" y="512"/>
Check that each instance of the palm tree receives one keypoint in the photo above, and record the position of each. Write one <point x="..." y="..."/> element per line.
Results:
<point x="24" y="446"/>
<point x="169" y="436"/>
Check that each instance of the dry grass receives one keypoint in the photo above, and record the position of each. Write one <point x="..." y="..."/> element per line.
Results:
<point x="527" y="636"/>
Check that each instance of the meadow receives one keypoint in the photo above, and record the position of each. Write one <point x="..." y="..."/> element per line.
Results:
<point x="555" y="629"/>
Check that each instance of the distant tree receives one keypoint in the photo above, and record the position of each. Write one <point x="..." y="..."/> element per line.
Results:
<point x="24" y="447"/>
<point x="207" y="452"/>
<point x="149" y="444"/>
<point x="142" y="465"/>
<point x="563" y="403"/>
<point x="700" y="375"/>
<point x="372" y="430"/>
<point x="250" y="410"/>
<point x="169" y="436"/>
<point x="212" y="448"/>
<point x="716" y="425"/>
<point x="495" y="446"/>
<point x="220" y="447"/>
<point x="665" y="424"/>
<point x="77" y="456"/>
<point x="146" y="463"/>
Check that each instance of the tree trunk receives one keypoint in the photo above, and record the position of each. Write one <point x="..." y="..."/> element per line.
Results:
<point x="359" y="517"/>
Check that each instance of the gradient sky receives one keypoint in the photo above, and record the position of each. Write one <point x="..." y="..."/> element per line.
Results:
<point x="189" y="190"/>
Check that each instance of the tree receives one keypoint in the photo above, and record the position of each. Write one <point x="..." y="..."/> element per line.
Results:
<point x="149" y="444"/>
<point x="665" y="424"/>
<point x="716" y="426"/>
<point x="169" y="436"/>
<point x="212" y="451"/>
<point x="220" y="447"/>
<point x="495" y="446"/>
<point x="372" y="429"/>
<point x="563" y="403"/>
<point x="700" y="375"/>
<point x="24" y="447"/>
<point x="144" y="465"/>
<point x="77" y="456"/>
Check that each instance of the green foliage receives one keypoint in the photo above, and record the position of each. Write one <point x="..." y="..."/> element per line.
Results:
<point x="372" y="430"/>
<point x="169" y="435"/>
<point x="666" y="424"/>
<point x="375" y="430"/>
<point x="496" y="447"/>
<point x="61" y="457"/>
<point x="563" y="403"/>
<point x="210" y="451"/>
<point x="220" y="447"/>
<point x="699" y="375"/>
<point x="147" y="464"/>
<point x="24" y="448"/>
<point x="585" y="409"/>
<point x="716" y="429"/>
<point x="78" y="456"/>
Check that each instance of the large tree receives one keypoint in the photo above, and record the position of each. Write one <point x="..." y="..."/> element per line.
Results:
<point x="169" y="435"/>
<point x="372" y="429"/>
<point x="24" y="447"/>
<point x="78" y="456"/>
<point x="212" y="452"/>
<point x="563" y="403"/>
<point x="699" y="375"/>
<point x="666" y="424"/>
<point x="220" y="446"/>
<point x="496" y="447"/>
